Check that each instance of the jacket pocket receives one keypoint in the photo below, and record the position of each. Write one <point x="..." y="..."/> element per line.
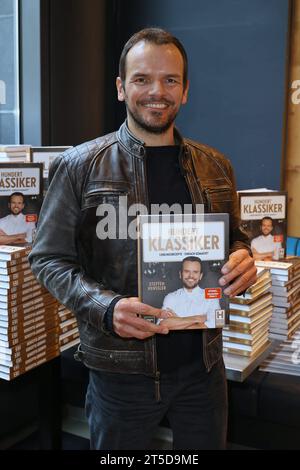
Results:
<point x="219" y="199"/>
<point x="104" y="192"/>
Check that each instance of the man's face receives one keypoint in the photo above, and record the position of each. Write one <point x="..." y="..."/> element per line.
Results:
<point x="154" y="89"/>
<point x="191" y="274"/>
<point x="16" y="205"/>
<point x="266" y="227"/>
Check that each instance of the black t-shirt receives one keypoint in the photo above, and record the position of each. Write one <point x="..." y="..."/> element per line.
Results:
<point x="166" y="184"/>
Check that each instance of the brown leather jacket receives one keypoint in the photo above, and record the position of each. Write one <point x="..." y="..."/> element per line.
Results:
<point x="86" y="273"/>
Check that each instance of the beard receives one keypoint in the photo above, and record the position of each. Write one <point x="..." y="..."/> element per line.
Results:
<point x="150" y="125"/>
<point x="190" y="286"/>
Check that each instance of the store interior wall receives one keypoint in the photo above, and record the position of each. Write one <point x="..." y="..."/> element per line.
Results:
<point x="237" y="52"/>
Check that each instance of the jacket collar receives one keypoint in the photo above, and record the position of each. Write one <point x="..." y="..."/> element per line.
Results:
<point x="136" y="146"/>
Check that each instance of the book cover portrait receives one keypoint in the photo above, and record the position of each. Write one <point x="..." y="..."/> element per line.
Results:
<point x="264" y="218"/>
<point x="179" y="268"/>
<point x="20" y="202"/>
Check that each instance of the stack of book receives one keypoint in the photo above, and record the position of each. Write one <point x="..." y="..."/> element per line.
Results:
<point x="249" y="318"/>
<point x="68" y="329"/>
<point x="29" y="325"/>
<point x="286" y="296"/>
<point x="285" y="359"/>
<point x="15" y="153"/>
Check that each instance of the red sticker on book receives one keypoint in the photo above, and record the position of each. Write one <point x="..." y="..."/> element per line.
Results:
<point x="278" y="238"/>
<point x="31" y="218"/>
<point x="213" y="293"/>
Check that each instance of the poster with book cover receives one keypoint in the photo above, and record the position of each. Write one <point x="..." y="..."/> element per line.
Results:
<point x="264" y="218"/>
<point x="179" y="265"/>
<point x="21" y="196"/>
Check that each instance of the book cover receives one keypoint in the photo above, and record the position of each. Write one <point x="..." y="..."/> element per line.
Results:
<point x="179" y="265"/>
<point x="264" y="218"/>
<point x="21" y="198"/>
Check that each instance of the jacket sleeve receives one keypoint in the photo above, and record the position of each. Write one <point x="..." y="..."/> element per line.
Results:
<point x="54" y="257"/>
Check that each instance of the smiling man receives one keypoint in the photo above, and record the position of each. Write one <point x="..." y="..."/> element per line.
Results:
<point x="189" y="301"/>
<point x="153" y="87"/>
<point x="139" y="371"/>
<point x="14" y="228"/>
<point x="264" y="247"/>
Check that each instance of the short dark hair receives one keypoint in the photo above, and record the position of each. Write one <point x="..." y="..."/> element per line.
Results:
<point x="193" y="259"/>
<point x="156" y="36"/>
<point x="266" y="218"/>
<point x="17" y="194"/>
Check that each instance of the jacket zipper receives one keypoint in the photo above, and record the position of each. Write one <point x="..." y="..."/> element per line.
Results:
<point x="107" y="192"/>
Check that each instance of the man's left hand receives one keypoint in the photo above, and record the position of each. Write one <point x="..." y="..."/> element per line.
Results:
<point x="239" y="271"/>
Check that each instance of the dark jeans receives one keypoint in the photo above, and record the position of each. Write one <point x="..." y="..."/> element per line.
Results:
<point x="123" y="413"/>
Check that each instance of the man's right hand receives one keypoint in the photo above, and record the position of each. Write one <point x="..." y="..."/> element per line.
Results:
<point x="127" y="322"/>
